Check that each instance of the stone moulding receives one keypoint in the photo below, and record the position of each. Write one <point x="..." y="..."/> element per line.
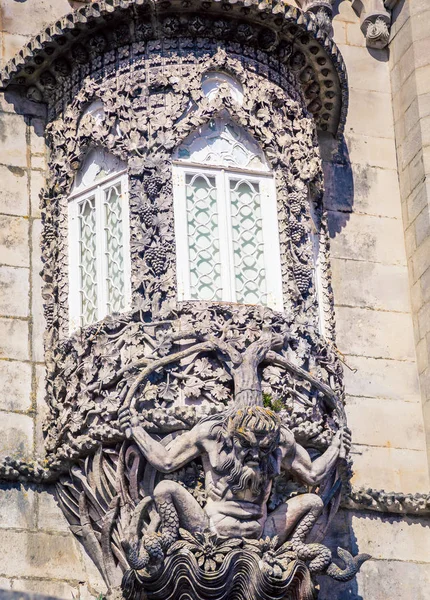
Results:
<point x="375" y="17"/>
<point x="43" y="64"/>
<point x="380" y="501"/>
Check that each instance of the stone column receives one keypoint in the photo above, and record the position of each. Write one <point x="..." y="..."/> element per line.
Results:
<point x="410" y="84"/>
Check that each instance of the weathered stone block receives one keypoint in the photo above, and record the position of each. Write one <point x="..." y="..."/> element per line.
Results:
<point x="30" y="554"/>
<point x="403" y="41"/>
<point x="392" y="537"/>
<point x="364" y="237"/>
<point x="12" y="44"/>
<point x="13" y="143"/>
<point x="386" y="423"/>
<point x="49" y="515"/>
<point x="410" y="240"/>
<point x="14" y="341"/>
<point x="346" y="13"/>
<point x="17" y="436"/>
<point x="15" y="385"/>
<point x="404" y="97"/>
<point x="362" y="189"/>
<point x="339" y="31"/>
<point x="422" y="226"/>
<point x="421" y="260"/>
<point x="417" y="202"/>
<point x="37" y="138"/>
<point x="374" y="333"/>
<point x="390" y="469"/>
<point x="424" y="320"/>
<point x="378" y="378"/>
<point x="406" y="63"/>
<point x="422" y="77"/>
<point x="15" y="15"/>
<point x="17" y="506"/>
<point x="14" y="291"/>
<point x="370" y="285"/>
<point x="364" y="151"/>
<point x="411" y="145"/>
<point x="14" y="241"/>
<point x="368" y="114"/>
<point x="38" y="162"/>
<point x="37" y="181"/>
<point x="422" y="355"/>
<point x="46" y="588"/>
<point x="354" y="35"/>
<point x="424" y="104"/>
<point x="380" y="579"/>
<point x="366" y="71"/>
<point x="418" y="7"/>
<point x="14" y="191"/>
<point x="425" y="286"/>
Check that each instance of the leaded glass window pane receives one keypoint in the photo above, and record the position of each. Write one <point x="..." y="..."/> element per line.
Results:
<point x="226" y="220"/>
<point x="88" y="261"/>
<point x="248" y="242"/>
<point x="99" y="252"/>
<point x="203" y="237"/>
<point x="114" y="232"/>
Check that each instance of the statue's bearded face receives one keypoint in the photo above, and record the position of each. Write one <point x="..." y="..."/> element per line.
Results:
<point x="253" y="436"/>
<point x="253" y="447"/>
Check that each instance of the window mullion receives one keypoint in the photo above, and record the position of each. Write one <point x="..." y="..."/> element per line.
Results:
<point x="183" y="265"/>
<point x="101" y="255"/>
<point x="74" y="286"/>
<point x="231" y="266"/>
<point x="224" y="236"/>
<point x="272" y="256"/>
<point x="126" y="241"/>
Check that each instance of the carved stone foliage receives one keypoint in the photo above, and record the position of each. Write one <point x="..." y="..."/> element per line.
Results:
<point x="195" y="445"/>
<point x="153" y="104"/>
<point x="194" y="383"/>
<point x="78" y="42"/>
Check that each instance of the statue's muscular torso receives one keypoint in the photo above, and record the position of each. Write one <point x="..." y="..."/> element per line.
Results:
<point x="234" y="514"/>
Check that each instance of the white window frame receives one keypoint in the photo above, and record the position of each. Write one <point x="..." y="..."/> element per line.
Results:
<point x="269" y="212"/>
<point x="315" y="237"/>
<point x="98" y="192"/>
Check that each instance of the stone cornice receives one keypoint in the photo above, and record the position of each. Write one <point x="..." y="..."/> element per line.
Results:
<point x="47" y="59"/>
<point x="380" y="501"/>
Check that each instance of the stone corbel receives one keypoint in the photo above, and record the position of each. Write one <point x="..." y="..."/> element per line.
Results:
<point x="322" y="10"/>
<point x="375" y="17"/>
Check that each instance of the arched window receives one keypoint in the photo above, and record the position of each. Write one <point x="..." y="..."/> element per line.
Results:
<point x="226" y="223"/>
<point x="99" y="239"/>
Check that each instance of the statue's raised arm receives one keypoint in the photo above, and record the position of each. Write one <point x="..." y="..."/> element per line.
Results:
<point x="297" y="461"/>
<point x="166" y="459"/>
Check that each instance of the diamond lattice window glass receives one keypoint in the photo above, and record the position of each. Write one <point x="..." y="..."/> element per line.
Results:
<point x="99" y="254"/>
<point x="227" y="239"/>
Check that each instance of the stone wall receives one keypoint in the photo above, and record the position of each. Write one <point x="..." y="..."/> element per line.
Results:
<point x="370" y="277"/>
<point x="38" y="554"/>
<point x="410" y="83"/>
<point x="374" y="320"/>
<point x="375" y="328"/>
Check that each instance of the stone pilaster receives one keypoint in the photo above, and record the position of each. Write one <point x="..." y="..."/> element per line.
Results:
<point x="410" y="82"/>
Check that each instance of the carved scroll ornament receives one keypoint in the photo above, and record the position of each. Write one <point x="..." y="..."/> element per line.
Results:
<point x="196" y="446"/>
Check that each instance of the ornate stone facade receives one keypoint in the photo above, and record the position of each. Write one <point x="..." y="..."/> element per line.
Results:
<point x="194" y="445"/>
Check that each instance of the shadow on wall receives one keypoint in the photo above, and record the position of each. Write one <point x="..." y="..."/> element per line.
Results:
<point x="341" y="534"/>
<point x="10" y="595"/>
<point x="339" y="188"/>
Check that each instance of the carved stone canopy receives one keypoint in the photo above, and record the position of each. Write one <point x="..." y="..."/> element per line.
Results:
<point x="43" y="66"/>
